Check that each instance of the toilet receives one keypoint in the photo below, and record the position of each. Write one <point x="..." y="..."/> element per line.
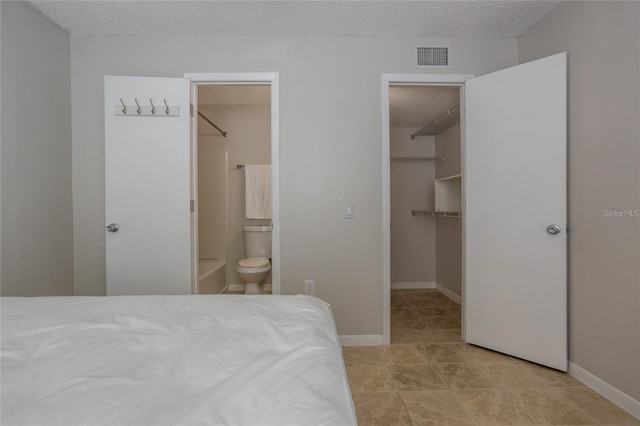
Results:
<point x="253" y="270"/>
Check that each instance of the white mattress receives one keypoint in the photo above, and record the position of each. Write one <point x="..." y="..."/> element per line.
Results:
<point x="168" y="360"/>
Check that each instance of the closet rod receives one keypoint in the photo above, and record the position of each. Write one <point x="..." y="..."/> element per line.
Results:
<point x="224" y="134"/>
<point x="435" y="213"/>
<point x="435" y="122"/>
<point x="418" y="159"/>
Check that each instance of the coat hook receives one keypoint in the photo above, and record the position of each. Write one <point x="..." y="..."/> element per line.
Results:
<point x="124" y="107"/>
<point x="139" y="110"/>
<point x="153" y="108"/>
<point x="165" y="104"/>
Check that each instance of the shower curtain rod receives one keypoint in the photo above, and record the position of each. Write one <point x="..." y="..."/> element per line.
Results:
<point x="224" y="134"/>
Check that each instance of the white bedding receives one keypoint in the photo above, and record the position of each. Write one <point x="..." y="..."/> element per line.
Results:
<point x="172" y="360"/>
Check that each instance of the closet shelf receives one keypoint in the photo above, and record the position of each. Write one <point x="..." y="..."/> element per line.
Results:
<point x="448" y="194"/>
<point x="418" y="159"/>
<point x="440" y="124"/>
<point x="435" y="213"/>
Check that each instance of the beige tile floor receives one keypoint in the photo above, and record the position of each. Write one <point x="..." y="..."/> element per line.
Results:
<point x="427" y="376"/>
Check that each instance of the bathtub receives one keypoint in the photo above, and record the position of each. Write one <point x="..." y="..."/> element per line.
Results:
<point x="212" y="276"/>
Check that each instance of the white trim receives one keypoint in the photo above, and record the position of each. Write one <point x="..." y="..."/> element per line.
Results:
<point x="411" y="285"/>
<point x="450" y="294"/>
<point x="232" y="77"/>
<point x="275" y="182"/>
<point x="613" y="394"/>
<point x="361" y="340"/>
<point x="273" y="79"/>
<point x="193" y="157"/>
<point x="386" y="210"/>
<point x="463" y="210"/>
<point x="426" y="79"/>
<point x="386" y="80"/>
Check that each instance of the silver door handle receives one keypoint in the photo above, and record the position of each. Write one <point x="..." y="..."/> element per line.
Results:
<point x="554" y="229"/>
<point x="113" y="227"/>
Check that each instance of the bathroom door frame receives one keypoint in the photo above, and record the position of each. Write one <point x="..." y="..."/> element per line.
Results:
<point x="456" y="80"/>
<point x="265" y="78"/>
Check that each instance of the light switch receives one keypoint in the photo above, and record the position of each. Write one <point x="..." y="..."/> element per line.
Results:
<point x="349" y="211"/>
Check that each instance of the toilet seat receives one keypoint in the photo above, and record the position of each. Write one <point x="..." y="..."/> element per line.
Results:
<point x="253" y="265"/>
<point x="254" y="262"/>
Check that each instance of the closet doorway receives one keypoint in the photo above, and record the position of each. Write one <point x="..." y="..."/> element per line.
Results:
<point x="237" y="124"/>
<point x="425" y="211"/>
<point x="512" y="199"/>
<point x="414" y="163"/>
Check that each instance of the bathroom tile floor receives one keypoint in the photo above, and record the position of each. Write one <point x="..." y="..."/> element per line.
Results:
<point x="428" y="376"/>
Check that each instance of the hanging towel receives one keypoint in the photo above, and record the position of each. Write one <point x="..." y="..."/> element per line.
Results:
<point x="257" y="190"/>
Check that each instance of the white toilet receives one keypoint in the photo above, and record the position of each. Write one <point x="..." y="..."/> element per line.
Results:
<point x="253" y="270"/>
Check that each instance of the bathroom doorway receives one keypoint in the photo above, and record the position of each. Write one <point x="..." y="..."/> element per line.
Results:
<point x="234" y="127"/>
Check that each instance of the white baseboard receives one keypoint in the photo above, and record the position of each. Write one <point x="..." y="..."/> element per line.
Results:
<point x="613" y="394"/>
<point x="451" y="295"/>
<point x="411" y="285"/>
<point x="361" y="340"/>
<point x="426" y="285"/>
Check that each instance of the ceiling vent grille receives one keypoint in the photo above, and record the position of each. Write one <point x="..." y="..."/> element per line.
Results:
<point x="429" y="57"/>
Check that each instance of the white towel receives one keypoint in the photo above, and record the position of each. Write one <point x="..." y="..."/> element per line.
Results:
<point x="257" y="190"/>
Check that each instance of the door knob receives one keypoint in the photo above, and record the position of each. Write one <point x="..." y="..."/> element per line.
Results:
<point x="554" y="229"/>
<point x="113" y="227"/>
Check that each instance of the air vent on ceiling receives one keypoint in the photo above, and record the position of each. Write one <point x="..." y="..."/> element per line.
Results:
<point x="435" y="56"/>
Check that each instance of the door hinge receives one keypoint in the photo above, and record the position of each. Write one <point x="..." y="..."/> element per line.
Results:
<point x="191" y="109"/>
<point x="192" y="205"/>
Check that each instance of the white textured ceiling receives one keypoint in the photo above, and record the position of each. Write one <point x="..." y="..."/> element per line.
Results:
<point x="460" y="18"/>
<point x="236" y="94"/>
<point x="415" y="106"/>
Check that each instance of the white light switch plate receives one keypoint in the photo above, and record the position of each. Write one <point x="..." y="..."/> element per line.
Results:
<point x="349" y="211"/>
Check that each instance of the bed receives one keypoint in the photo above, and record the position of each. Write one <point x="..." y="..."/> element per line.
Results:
<point x="172" y="360"/>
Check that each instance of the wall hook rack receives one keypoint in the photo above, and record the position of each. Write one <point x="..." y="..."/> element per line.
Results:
<point x="138" y="110"/>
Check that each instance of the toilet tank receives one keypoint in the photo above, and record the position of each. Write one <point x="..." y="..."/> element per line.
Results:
<point x="257" y="241"/>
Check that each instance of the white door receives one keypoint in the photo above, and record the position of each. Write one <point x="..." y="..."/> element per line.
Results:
<point x="147" y="185"/>
<point x="515" y="176"/>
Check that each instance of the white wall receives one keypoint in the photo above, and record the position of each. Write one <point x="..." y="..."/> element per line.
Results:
<point x="248" y="142"/>
<point x="37" y="255"/>
<point x="603" y="44"/>
<point x="449" y="229"/>
<point x="413" y="238"/>
<point x="330" y="147"/>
